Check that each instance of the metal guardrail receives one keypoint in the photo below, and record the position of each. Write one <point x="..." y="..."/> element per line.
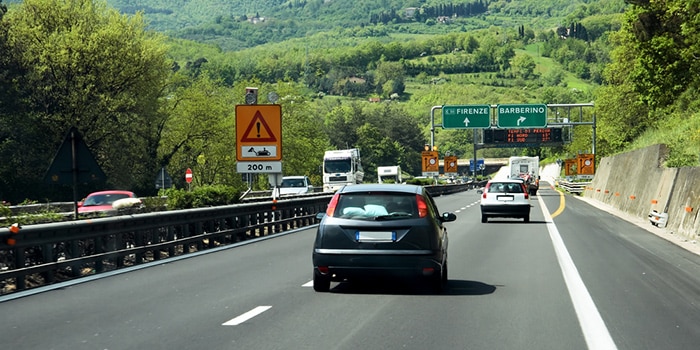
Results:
<point x="44" y="254"/>
<point x="48" y="253"/>
<point x="572" y="186"/>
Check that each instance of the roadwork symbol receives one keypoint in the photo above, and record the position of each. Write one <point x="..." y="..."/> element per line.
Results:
<point x="258" y="123"/>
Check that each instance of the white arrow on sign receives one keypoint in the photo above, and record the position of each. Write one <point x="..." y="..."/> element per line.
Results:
<point x="520" y="120"/>
<point x="466" y="121"/>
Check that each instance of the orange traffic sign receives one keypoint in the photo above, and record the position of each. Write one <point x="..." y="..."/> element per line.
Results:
<point x="430" y="162"/>
<point x="258" y="132"/>
<point x="450" y="164"/>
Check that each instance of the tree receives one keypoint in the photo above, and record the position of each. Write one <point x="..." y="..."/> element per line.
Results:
<point x="198" y="133"/>
<point x="85" y="65"/>
<point x="523" y="66"/>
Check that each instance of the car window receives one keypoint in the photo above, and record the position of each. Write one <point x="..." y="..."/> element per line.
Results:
<point x="373" y="205"/>
<point x="294" y="183"/>
<point x="497" y="187"/>
<point x="514" y="188"/>
<point x="103" y="199"/>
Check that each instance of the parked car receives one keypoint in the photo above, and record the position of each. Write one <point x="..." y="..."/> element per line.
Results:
<point x="295" y="185"/>
<point x="507" y="198"/>
<point x="105" y="201"/>
<point x="381" y="230"/>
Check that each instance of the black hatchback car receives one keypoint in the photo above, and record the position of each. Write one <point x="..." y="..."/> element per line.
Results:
<point x="378" y="230"/>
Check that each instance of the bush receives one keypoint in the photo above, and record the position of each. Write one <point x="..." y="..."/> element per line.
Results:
<point x="204" y="196"/>
<point x="421" y="182"/>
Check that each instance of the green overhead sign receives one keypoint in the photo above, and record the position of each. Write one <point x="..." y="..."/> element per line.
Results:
<point x="521" y="116"/>
<point x="466" y="117"/>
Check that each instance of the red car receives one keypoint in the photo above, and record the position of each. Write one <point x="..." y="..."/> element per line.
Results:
<point x="105" y="200"/>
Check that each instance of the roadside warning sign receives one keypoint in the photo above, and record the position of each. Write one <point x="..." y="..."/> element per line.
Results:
<point x="262" y="131"/>
<point x="258" y="132"/>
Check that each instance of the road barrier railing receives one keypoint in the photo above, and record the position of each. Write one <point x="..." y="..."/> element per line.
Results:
<point x="49" y="253"/>
<point x="572" y="186"/>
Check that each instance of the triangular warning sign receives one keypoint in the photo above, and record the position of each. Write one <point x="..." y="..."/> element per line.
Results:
<point x="258" y="123"/>
<point x="74" y="158"/>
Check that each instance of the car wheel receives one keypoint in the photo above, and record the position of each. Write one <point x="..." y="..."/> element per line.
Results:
<point x="526" y="218"/>
<point x="484" y="219"/>
<point x="444" y="273"/>
<point x="436" y="283"/>
<point x="321" y="283"/>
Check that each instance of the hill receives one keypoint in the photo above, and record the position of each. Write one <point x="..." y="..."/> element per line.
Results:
<point x="237" y="24"/>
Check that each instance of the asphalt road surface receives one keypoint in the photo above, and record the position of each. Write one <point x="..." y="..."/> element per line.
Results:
<point x="575" y="277"/>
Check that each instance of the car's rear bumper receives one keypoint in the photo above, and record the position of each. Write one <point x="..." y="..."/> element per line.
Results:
<point x="348" y="264"/>
<point x="515" y="210"/>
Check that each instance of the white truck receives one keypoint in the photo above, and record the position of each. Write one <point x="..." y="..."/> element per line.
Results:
<point x="528" y="169"/>
<point x="340" y="168"/>
<point x="390" y="174"/>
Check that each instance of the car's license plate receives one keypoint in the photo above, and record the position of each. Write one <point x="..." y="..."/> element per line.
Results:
<point x="375" y="236"/>
<point x="505" y="198"/>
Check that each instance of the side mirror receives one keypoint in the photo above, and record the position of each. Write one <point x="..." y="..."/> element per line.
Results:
<point x="320" y="215"/>
<point x="448" y="217"/>
<point x="479" y="191"/>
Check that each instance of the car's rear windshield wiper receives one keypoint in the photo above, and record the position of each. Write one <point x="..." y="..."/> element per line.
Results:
<point x="393" y="216"/>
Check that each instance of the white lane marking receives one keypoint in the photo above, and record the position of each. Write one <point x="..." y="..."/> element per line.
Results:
<point x="246" y="316"/>
<point x="308" y="284"/>
<point x="594" y="330"/>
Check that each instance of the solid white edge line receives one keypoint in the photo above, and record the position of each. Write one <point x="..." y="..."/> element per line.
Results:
<point x="308" y="284"/>
<point x="246" y="316"/>
<point x="593" y="327"/>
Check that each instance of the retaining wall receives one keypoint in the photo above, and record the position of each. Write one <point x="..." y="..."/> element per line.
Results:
<point x="637" y="183"/>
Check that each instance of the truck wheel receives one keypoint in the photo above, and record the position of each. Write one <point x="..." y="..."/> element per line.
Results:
<point x="484" y="219"/>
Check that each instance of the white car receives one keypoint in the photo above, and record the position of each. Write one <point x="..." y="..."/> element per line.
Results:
<point x="505" y="199"/>
<point x="292" y="185"/>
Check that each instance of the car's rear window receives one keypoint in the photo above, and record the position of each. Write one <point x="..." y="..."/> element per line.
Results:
<point x="506" y="187"/>
<point x="376" y="206"/>
<point x="293" y="183"/>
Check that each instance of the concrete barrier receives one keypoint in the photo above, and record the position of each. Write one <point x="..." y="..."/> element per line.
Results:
<point x="637" y="183"/>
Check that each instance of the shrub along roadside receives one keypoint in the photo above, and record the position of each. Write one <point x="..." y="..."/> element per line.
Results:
<point x="204" y="196"/>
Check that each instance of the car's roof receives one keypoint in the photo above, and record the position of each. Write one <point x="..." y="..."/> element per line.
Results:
<point x="293" y="177"/>
<point x="404" y="188"/>
<point x="519" y="181"/>
<point x="111" y="192"/>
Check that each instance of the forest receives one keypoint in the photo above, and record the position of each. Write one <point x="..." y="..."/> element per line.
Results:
<point x="152" y="85"/>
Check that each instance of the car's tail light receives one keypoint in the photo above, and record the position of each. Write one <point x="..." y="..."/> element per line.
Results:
<point x="483" y="195"/>
<point x="527" y="196"/>
<point x="324" y="270"/>
<point x="422" y="206"/>
<point x="333" y="203"/>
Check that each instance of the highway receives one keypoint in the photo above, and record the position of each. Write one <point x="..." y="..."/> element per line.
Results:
<point x="579" y="279"/>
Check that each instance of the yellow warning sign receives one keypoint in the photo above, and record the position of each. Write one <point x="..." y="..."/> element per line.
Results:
<point x="258" y="132"/>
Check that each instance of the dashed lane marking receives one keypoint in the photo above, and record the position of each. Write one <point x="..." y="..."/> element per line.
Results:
<point x="246" y="316"/>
